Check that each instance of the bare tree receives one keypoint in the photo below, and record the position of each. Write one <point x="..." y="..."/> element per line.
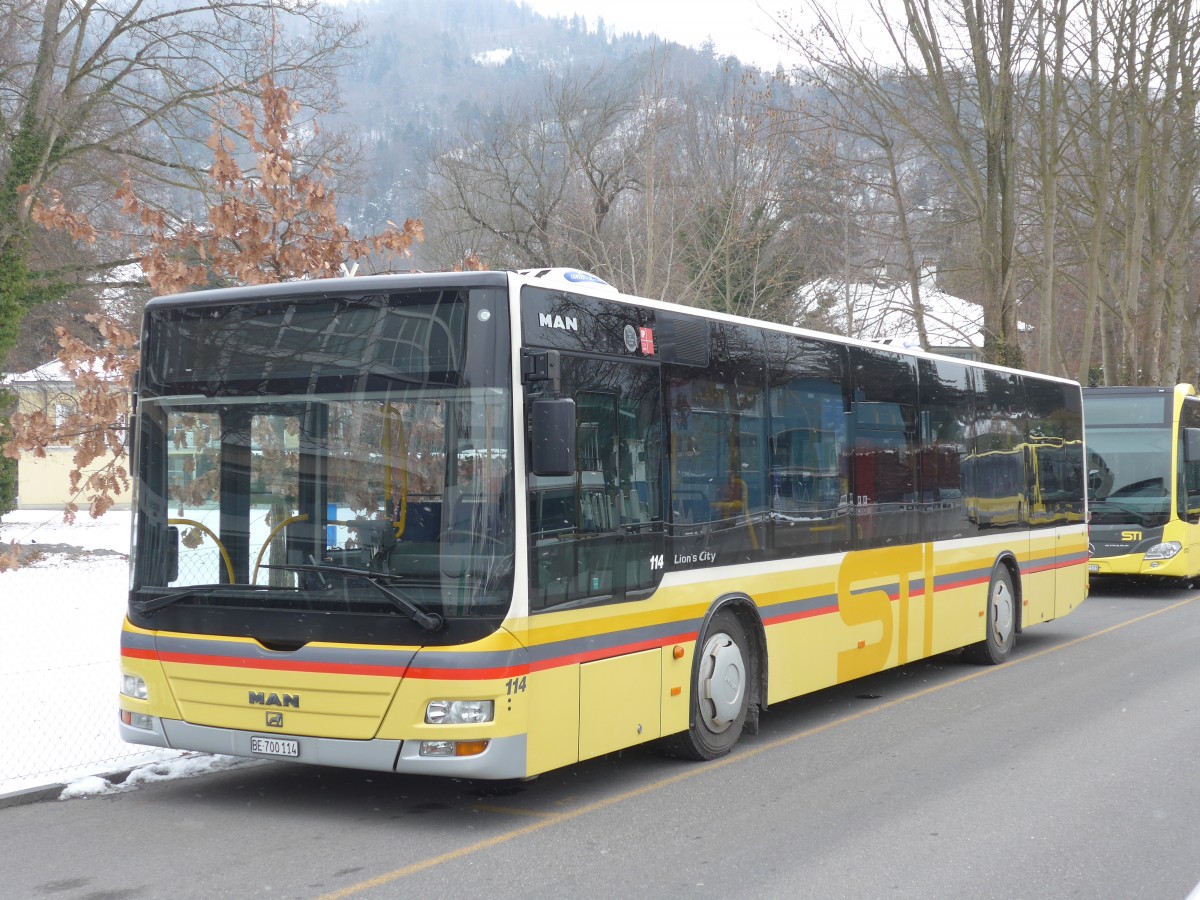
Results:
<point x="1049" y="99"/>
<point x="693" y="196"/>
<point x="1130" y="171"/>
<point x="91" y="90"/>
<point x="1068" y="127"/>
<point x="537" y="184"/>
<point x="956" y="64"/>
<point x="272" y="223"/>
<point x="752" y="187"/>
<point x="882" y="173"/>
<point x="497" y="189"/>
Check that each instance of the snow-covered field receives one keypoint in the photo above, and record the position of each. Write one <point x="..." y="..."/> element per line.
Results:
<point x="60" y="624"/>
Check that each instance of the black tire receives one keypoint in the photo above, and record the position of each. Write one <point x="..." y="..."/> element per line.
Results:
<point x="720" y="691"/>
<point x="1001" y="635"/>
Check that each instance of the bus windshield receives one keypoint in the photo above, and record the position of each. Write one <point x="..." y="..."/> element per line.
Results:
<point x="1127" y="481"/>
<point x="346" y="458"/>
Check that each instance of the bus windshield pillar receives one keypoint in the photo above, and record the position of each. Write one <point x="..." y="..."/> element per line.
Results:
<point x="309" y="543"/>
<point x="235" y="493"/>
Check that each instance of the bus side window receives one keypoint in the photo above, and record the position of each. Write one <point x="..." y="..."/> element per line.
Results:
<point x="718" y="472"/>
<point x="886" y="441"/>
<point x="1189" y="456"/>
<point x="807" y="484"/>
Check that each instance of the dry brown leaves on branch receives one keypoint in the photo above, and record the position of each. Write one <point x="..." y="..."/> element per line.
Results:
<point x="270" y="224"/>
<point x="51" y="214"/>
<point x="10" y="556"/>
<point x="96" y="424"/>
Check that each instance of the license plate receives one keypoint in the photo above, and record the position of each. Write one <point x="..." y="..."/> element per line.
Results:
<point x="270" y="746"/>
<point x="1093" y="567"/>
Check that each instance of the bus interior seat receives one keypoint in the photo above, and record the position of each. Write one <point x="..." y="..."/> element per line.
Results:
<point x="422" y="521"/>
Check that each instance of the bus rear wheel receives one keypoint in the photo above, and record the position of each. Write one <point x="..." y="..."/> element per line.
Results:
<point x="720" y="691"/>
<point x="1001" y="633"/>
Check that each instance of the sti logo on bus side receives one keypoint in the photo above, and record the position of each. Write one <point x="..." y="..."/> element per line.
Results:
<point x="261" y="698"/>
<point x="562" y="323"/>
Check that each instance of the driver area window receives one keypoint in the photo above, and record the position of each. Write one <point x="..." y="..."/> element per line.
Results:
<point x="596" y="534"/>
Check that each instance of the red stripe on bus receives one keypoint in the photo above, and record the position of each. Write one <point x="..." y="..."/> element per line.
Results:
<point x="607" y="652"/>
<point x="803" y="614"/>
<point x="965" y="582"/>
<point x="1053" y="566"/>
<point x="434" y="673"/>
<point x="429" y="673"/>
<point x="278" y="665"/>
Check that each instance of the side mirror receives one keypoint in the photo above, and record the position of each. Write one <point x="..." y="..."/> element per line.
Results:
<point x="1191" y="445"/>
<point x="553" y="434"/>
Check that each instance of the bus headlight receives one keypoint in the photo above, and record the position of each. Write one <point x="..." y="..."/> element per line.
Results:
<point x="459" y="712"/>
<point x="1165" y="550"/>
<point x="134" y="686"/>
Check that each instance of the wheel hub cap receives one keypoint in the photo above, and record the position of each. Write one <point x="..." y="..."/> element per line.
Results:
<point x="1002" y="603"/>
<point x="722" y="682"/>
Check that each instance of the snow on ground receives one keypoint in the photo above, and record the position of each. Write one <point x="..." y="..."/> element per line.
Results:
<point x="178" y="765"/>
<point x="60" y="626"/>
<point x="45" y="526"/>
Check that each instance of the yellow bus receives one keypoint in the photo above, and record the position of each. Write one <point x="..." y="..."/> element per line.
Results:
<point x="1144" y="480"/>
<point x="488" y="524"/>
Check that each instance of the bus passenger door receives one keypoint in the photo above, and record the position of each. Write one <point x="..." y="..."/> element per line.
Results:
<point x="1187" y="483"/>
<point x="596" y="539"/>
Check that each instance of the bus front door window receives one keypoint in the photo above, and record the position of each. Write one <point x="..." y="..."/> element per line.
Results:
<point x="595" y="533"/>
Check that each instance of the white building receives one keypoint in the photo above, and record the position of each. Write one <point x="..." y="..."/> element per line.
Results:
<point x="880" y="310"/>
<point x="45" y="482"/>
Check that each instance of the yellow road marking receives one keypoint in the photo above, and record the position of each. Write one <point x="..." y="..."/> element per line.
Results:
<point x="510" y="810"/>
<point x="550" y="819"/>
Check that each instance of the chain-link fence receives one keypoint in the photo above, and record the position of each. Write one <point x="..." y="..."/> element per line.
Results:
<point x="60" y="625"/>
<point x="60" y="622"/>
<point x="68" y="731"/>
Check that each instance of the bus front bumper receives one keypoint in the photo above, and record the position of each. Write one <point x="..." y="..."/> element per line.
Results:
<point x="503" y="757"/>
<point x="1137" y="564"/>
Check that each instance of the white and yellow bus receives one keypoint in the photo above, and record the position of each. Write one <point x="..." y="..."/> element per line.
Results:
<point x="488" y="524"/>
<point x="1144" y="480"/>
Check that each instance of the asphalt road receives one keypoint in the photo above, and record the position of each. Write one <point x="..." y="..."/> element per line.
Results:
<point x="1070" y="771"/>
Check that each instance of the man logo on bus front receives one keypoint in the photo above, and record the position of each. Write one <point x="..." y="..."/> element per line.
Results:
<point x="274" y="720"/>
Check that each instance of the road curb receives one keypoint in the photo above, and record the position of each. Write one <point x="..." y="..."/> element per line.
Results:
<point x="54" y="791"/>
<point x="31" y="795"/>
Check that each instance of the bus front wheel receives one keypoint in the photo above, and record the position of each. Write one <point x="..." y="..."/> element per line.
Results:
<point x="1001" y="632"/>
<point x="720" y="689"/>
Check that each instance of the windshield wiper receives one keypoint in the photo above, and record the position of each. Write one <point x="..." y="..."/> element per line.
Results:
<point x="427" y="620"/>
<point x="1143" y="519"/>
<point x="149" y="606"/>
